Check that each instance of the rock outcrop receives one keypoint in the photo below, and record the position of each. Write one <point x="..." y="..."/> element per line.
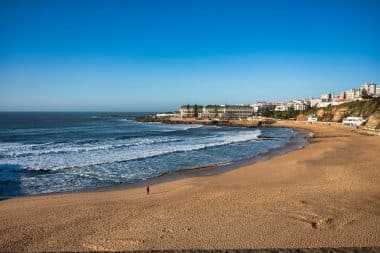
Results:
<point x="368" y="109"/>
<point x="373" y="121"/>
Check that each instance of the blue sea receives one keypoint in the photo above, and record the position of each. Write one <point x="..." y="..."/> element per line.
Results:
<point x="57" y="152"/>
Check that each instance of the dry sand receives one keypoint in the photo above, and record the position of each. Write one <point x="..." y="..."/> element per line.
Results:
<point x="324" y="195"/>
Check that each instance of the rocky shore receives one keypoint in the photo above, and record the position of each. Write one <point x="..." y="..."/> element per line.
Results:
<point x="251" y="122"/>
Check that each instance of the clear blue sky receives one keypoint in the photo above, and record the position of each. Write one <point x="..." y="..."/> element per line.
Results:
<point x="154" y="55"/>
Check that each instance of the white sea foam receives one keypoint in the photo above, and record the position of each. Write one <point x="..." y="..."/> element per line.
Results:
<point x="174" y="127"/>
<point x="19" y="149"/>
<point x="61" y="156"/>
<point x="50" y="157"/>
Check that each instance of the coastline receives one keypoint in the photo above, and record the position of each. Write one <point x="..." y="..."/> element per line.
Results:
<point x="301" y="138"/>
<point x="310" y="197"/>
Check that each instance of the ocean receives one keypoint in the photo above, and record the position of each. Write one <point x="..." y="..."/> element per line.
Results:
<point x="43" y="152"/>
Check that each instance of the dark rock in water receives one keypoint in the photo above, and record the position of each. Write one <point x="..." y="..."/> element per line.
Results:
<point x="265" y="137"/>
<point x="147" y="118"/>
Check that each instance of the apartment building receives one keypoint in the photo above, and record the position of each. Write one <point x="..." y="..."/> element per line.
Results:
<point x="369" y="89"/>
<point x="217" y="111"/>
<point x="190" y="111"/>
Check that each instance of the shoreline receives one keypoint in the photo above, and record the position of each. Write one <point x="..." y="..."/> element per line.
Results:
<point x="299" y="140"/>
<point x="325" y="195"/>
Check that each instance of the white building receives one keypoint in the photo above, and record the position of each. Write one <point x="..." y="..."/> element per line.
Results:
<point x="335" y="97"/>
<point x="353" y="121"/>
<point x="238" y="111"/>
<point x="212" y="112"/>
<point x="369" y="89"/>
<point x="226" y="112"/>
<point x="281" y="108"/>
<point x="257" y="107"/>
<point x="326" y="97"/>
<point x="312" y="119"/>
<point x="290" y="105"/>
<point x="262" y="106"/>
<point x="300" y="106"/>
<point x="353" y="94"/>
<point x="350" y="94"/>
<point x="314" y="102"/>
<point x="190" y="111"/>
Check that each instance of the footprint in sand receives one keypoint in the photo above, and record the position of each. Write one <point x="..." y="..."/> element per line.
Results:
<point x="327" y="222"/>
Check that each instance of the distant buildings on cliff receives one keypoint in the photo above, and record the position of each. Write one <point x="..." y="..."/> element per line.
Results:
<point x="216" y="111"/>
<point x="367" y="90"/>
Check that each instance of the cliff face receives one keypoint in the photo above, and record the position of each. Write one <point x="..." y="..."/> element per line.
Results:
<point x="369" y="110"/>
<point x="373" y="121"/>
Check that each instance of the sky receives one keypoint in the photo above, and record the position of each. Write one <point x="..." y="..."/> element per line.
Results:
<point x="121" y="55"/>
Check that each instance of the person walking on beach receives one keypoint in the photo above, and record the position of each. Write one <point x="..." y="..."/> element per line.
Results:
<point x="147" y="190"/>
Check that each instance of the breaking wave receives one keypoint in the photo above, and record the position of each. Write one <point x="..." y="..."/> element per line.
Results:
<point x="61" y="156"/>
<point x="49" y="152"/>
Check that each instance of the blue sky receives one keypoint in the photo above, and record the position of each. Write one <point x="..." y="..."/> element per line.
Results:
<point x="155" y="55"/>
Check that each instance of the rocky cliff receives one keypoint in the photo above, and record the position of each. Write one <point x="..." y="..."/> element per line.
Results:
<point x="368" y="109"/>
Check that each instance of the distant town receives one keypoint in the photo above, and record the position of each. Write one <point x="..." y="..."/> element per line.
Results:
<point x="280" y="110"/>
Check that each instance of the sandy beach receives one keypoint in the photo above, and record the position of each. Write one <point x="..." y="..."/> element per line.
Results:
<point x="326" y="194"/>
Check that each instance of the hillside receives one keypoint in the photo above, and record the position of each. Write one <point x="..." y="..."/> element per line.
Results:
<point x="368" y="109"/>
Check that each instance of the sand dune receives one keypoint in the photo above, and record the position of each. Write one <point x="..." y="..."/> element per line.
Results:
<point x="324" y="195"/>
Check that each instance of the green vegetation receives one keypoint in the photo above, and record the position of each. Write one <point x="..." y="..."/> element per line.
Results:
<point x="281" y="115"/>
<point x="362" y="108"/>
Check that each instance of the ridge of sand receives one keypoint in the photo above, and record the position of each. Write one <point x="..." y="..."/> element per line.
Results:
<point x="324" y="195"/>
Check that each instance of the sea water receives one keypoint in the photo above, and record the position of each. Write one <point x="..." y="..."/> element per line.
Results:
<point x="55" y="152"/>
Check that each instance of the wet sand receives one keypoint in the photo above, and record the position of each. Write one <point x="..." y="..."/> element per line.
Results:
<point x="324" y="195"/>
